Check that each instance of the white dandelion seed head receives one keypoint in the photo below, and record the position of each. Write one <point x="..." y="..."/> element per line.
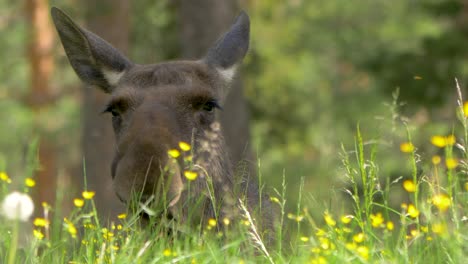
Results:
<point x="17" y="206"/>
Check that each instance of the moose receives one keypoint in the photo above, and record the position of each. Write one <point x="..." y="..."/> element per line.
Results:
<point x="156" y="107"/>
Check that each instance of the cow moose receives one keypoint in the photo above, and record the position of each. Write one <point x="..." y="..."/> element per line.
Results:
<point x="154" y="108"/>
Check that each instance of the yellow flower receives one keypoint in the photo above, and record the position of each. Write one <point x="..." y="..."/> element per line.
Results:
<point x="184" y="146"/>
<point x="417" y="77"/>
<point x="451" y="163"/>
<point x="29" y="182"/>
<point x="297" y="218"/>
<point x="78" y="202"/>
<point x="358" y="238"/>
<point x="466" y="186"/>
<point x="106" y="234"/>
<point x="41" y="222"/>
<point x="320" y="233"/>
<point x="38" y="234"/>
<point x="390" y="225"/>
<point x="226" y="221"/>
<point x="190" y="175"/>
<point x="4" y="177"/>
<point x="413" y="211"/>
<point x="167" y="252"/>
<point x="329" y="219"/>
<point x="450" y="140"/>
<point x="414" y="232"/>
<point x="441" y="141"/>
<point x="409" y="186"/>
<point x="376" y="220"/>
<point x="346" y="219"/>
<point x="363" y="251"/>
<point x="88" y="195"/>
<point x="318" y="260"/>
<point x="326" y="244"/>
<point x="304" y="238"/>
<point x="407" y="147"/>
<point x="436" y="159"/>
<point x="274" y="199"/>
<point x="174" y="153"/>
<point x="212" y="222"/>
<point x="442" y="202"/>
<point x="439" y="228"/>
<point x="351" y="246"/>
<point x="424" y="229"/>
<point x="72" y="230"/>
<point x="465" y="109"/>
<point x="122" y="216"/>
<point x="438" y="141"/>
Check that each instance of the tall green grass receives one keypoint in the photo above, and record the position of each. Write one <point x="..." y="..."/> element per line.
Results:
<point x="429" y="224"/>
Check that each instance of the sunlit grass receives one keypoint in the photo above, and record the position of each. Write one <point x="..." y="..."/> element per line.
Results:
<point x="429" y="224"/>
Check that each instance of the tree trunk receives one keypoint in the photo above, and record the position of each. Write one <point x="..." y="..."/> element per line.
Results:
<point x="110" y="20"/>
<point x="41" y="63"/>
<point x="201" y="23"/>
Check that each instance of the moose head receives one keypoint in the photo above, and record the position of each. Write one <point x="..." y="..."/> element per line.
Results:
<point x="156" y="106"/>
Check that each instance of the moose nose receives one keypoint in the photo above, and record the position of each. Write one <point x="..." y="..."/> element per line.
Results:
<point x="141" y="162"/>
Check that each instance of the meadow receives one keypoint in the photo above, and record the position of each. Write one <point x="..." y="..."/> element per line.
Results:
<point x="430" y="226"/>
<point x="358" y="129"/>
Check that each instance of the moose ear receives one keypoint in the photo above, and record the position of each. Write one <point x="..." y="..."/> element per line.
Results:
<point x="228" y="51"/>
<point x="94" y="60"/>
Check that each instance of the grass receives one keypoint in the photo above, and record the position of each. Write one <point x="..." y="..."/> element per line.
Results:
<point x="428" y="225"/>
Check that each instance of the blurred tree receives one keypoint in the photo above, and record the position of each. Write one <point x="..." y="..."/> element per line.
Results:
<point x="426" y="74"/>
<point x="201" y="23"/>
<point x="110" y="20"/>
<point x="41" y="64"/>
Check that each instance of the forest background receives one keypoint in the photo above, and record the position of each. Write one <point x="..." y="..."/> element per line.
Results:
<point x="315" y="70"/>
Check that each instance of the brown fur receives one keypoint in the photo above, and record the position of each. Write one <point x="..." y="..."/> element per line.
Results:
<point x="157" y="106"/>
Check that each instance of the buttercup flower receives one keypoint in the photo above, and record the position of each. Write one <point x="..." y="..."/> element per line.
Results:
<point x="442" y="202"/>
<point x="376" y="219"/>
<point x="70" y="227"/>
<point x="174" y="153"/>
<point x="17" y="206"/>
<point x="78" y="202"/>
<point x="38" y="234"/>
<point x="329" y="219"/>
<point x="190" y="175"/>
<point x="436" y="159"/>
<point x="212" y="222"/>
<point x="409" y="186"/>
<point x="413" y="211"/>
<point x="465" y="109"/>
<point x="441" y="141"/>
<point x="41" y="222"/>
<point x="406" y="147"/>
<point x="451" y="163"/>
<point x="30" y="182"/>
<point x="363" y="251"/>
<point x="390" y="225"/>
<point x="346" y="219"/>
<point x="88" y="195"/>
<point x="122" y="216"/>
<point x="4" y="177"/>
<point x="358" y="238"/>
<point x="184" y="146"/>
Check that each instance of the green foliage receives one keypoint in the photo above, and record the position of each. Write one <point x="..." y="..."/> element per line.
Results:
<point x="309" y="79"/>
<point x="428" y="227"/>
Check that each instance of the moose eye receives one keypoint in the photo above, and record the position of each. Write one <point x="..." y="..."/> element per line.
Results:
<point x="210" y="106"/>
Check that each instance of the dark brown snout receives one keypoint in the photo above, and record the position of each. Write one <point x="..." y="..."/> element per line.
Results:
<point x="141" y="162"/>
